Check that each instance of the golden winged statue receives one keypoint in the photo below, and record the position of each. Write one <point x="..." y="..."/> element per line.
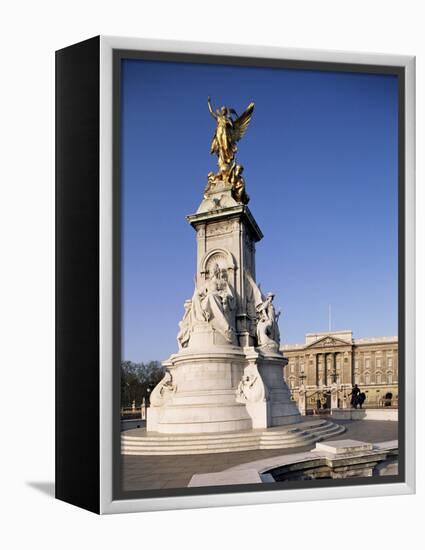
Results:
<point x="229" y="130"/>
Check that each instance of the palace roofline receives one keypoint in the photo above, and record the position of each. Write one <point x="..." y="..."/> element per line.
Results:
<point x="312" y="337"/>
<point x="375" y="340"/>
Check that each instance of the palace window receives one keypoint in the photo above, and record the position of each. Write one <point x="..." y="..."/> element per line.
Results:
<point x="390" y="377"/>
<point x="367" y="378"/>
<point x="390" y="362"/>
<point x="378" y="362"/>
<point x="378" y="378"/>
<point x="367" y="362"/>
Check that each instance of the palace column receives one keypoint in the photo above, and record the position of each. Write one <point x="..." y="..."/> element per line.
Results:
<point x="310" y="370"/>
<point x="322" y="369"/>
<point x="347" y="367"/>
<point x="318" y="367"/>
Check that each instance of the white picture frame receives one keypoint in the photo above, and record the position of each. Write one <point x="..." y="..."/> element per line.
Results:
<point x="107" y="503"/>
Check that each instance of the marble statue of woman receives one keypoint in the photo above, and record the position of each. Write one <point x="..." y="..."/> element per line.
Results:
<point x="215" y="303"/>
<point x="251" y="387"/>
<point x="163" y="391"/>
<point x="267" y="326"/>
<point x="185" y="326"/>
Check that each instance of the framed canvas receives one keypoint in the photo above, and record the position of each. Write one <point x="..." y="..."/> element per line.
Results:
<point x="234" y="274"/>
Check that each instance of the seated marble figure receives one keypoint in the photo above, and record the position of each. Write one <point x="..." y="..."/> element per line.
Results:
<point x="214" y="303"/>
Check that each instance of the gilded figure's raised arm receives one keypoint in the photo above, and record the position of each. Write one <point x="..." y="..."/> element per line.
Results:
<point x="210" y="108"/>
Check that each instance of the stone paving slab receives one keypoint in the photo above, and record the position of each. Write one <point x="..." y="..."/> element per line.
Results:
<point x="160" y="472"/>
<point x="343" y="446"/>
<point x="222" y="478"/>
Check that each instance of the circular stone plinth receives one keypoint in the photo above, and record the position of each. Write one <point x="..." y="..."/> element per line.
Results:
<point x="141" y="442"/>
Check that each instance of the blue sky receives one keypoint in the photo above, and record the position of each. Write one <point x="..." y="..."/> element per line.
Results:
<point x="320" y="160"/>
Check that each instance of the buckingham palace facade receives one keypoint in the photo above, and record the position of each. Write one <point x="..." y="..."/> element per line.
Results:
<point x="336" y="360"/>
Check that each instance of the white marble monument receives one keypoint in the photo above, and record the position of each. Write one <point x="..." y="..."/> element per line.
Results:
<point x="228" y="373"/>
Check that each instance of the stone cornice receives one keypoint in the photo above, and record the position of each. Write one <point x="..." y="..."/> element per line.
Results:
<point x="240" y="211"/>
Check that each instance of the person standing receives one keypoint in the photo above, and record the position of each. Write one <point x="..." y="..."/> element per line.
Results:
<point x="354" y="396"/>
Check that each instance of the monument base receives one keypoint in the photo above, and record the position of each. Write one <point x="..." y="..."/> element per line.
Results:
<point x="227" y="389"/>
<point x="197" y="394"/>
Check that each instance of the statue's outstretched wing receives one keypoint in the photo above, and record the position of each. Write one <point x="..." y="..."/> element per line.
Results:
<point x="241" y="123"/>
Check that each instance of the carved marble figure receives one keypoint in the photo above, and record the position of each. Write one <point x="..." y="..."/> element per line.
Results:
<point x="185" y="326"/>
<point x="163" y="391"/>
<point x="267" y="326"/>
<point x="214" y="303"/>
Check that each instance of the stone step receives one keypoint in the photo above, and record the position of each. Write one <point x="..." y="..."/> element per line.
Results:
<point x="312" y="438"/>
<point x="199" y="444"/>
<point x="132" y="442"/>
<point x="187" y="440"/>
<point x="140" y="433"/>
<point x="184" y="450"/>
<point x="274" y="438"/>
<point x="215" y="443"/>
<point x="270" y="432"/>
<point x="304" y="433"/>
<point x="200" y="440"/>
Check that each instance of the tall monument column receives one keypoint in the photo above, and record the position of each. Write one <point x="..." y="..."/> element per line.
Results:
<point x="228" y="372"/>
<point x="226" y="238"/>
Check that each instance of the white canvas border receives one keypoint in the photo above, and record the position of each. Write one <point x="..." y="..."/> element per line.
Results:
<point x="107" y="504"/>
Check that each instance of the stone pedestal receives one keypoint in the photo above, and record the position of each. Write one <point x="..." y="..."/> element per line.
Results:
<point x="275" y="406"/>
<point x="334" y="396"/>
<point x="228" y="374"/>
<point x="302" y="400"/>
<point x="226" y="389"/>
<point x="226" y="235"/>
<point x="200" y="394"/>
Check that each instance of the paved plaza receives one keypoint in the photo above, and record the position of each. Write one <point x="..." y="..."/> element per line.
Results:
<point x="166" y="472"/>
